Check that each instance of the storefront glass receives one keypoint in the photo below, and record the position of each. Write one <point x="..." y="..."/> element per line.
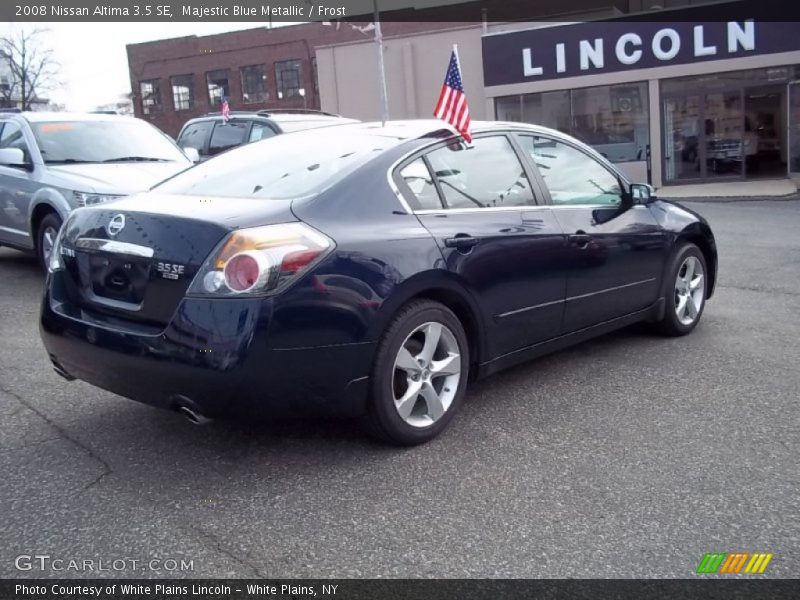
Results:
<point x="729" y="125"/>
<point x="612" y="119"/>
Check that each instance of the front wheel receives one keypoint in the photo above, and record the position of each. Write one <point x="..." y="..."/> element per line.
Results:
<point x="419" y="377"/>
<point x="46" y="238"/>
<point x="685" y="291"/>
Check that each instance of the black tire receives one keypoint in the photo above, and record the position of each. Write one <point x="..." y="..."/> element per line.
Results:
<point x="383" y="418"/>
<point x="51" y="221"/>
<point x="670" y="324"/>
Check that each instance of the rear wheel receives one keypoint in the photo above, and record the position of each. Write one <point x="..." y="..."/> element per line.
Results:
<point x="46" y="238"/>
<point x="684" y="290"/>
<point x="420" y="374"/>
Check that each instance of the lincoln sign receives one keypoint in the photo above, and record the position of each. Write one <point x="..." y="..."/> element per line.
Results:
<point x="609" y="46"/>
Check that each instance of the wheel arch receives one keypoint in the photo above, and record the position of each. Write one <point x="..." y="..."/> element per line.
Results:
<point x="447" y="291"/>
<point x="703" y="238"/>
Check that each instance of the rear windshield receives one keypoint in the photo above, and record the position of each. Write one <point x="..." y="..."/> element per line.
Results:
<point x="281" y="167"/>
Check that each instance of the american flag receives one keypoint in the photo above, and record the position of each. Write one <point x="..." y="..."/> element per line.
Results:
<point x="452" y="106"/>
<point x="226" y="110"/>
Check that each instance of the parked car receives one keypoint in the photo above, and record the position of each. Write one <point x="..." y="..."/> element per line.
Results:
<point x="211" y="134"/>
<point x="51" y="163"/>
<point x="366" y="270"/>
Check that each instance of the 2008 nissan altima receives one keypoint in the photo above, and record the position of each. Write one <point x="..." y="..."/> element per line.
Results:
<point x="365" y="270"/>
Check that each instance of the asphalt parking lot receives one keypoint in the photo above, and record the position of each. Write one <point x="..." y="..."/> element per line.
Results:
<point x="629" y="456"/>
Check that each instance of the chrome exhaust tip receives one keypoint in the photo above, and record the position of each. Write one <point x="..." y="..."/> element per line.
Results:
<point x="193" y="417"/>
<point x="188" y="409"/>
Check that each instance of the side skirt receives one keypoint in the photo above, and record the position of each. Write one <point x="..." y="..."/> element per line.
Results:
<point x="653" y="312"/>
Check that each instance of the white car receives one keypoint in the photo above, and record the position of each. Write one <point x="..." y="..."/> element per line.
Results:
<point x="52" y="163"/>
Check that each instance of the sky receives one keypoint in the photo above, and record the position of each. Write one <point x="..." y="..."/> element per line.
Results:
<point x="94" y="64"/>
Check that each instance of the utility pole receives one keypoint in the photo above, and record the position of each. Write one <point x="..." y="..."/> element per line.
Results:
<point x="381" y="66"/>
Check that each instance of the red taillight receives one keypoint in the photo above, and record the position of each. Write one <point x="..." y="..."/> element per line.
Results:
<point x="260" y="260"/>
<point x="242" y="272"/>
<point x="295" y="261"/>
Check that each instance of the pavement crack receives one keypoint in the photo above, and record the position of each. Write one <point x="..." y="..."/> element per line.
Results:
<point x="63" y="433"/>
<point x="216" y="544"/>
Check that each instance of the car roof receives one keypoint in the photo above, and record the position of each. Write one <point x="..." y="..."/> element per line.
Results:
<point x="434" y="128"/>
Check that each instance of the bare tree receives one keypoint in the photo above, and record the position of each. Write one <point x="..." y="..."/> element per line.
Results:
<point x="31" y="67"/>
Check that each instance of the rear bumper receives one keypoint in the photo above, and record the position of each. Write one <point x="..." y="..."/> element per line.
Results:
<point x="214" y="352"/>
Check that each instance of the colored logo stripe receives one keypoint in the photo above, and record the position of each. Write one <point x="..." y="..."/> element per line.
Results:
<point x="721" y="562"/>
<point x="759" y="562"/>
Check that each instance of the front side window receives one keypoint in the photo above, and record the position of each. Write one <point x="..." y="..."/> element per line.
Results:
<point x="151" y="96"/>
<point x="12" y="137"/>
<point x="118" y="140"/>
<point x="487" y="174"/>
<point x="573" y="177"/>
<point x="195" y="136"/>
<point x="289" y="79"/>
<point x="254" y="84"/>
<point x="227" y="135"/>
<point x="182" y="91"/>
<point x="218" y="86"/>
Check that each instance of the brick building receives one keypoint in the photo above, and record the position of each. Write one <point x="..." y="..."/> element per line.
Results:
<point x="176" y="79"/>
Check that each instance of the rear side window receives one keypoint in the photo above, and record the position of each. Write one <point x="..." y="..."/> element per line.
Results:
<point x="260" y="131"/>
<point x="228" y="135"/>
<point x="487" y="174"/>
<point x="195" y="136"/>
<point x="417" y="178"/>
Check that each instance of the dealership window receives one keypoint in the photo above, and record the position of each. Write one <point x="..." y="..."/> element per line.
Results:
<point x="612" y="119"/>
<point x="182" y="91"/>
<point x="289" y="78"/>
<point x="254" y="84"/>
<point x="151" y="96"/>
<point x="315" y="74"/>
<point x="218" y="86"/>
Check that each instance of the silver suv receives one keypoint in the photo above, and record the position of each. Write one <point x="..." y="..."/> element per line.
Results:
<point x="52" y="163"/>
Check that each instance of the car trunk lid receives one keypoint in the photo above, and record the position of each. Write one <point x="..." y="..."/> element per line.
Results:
<point x="135" y="258"/>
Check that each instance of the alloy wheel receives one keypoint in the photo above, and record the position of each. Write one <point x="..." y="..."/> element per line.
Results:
<point x="48" y="241"/>
<point x="689" y="290"/>
<point x="427" y="371"/>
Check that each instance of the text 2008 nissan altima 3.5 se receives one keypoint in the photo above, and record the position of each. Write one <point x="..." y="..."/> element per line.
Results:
<point x="365" y="271"/>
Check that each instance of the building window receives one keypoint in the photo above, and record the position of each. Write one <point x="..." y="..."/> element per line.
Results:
<point x="612" y="119"/>
<point x="182" y="91"/>
<point x="218" y="86"/>
<point x="254" y="84"/>
<point x="289" y="78"/>
<point x="151" y="96"/>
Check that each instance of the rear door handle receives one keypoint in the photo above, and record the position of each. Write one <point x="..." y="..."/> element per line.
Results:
<point x="461" y="241"/>
<point x="581" y="239"/>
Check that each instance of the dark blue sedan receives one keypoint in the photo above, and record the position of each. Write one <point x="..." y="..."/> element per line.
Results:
<point x="365" y="271"/>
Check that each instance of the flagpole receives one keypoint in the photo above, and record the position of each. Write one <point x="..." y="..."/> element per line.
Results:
<point x="381" y="66"/>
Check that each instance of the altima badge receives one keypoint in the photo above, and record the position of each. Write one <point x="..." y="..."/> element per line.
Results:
<point x="115" y="225"/>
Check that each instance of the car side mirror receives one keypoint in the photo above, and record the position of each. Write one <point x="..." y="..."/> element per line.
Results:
<point x="192" y="154"/>
<point x="14" y="157"/>
<point x="642" y="193"/>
